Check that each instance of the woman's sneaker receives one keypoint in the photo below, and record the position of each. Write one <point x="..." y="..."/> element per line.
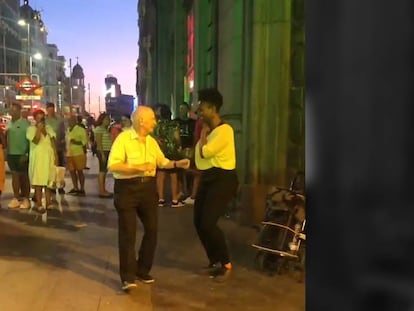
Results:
<point x="207" y="270"/>
<point x="25" y="204"/>
<point x="189" y="201"/>
<point x="177" y="204"/>
<point x="220" y="274"/>
<point x="161" y="203"/>
<point x="14" y="203"/>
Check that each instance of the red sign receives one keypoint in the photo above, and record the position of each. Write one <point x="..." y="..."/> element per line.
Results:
<point x="27" y="86"/>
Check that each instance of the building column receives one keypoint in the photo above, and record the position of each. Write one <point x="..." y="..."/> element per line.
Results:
<point x="266" y="161"/>
<point x="205" y="44"/>
<point x="180" y="35"/>
<point x="296" y="146"/>
<point x="164" y="52"/>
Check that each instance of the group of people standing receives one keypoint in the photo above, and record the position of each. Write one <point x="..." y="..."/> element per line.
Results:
<point x="136" y="158"/>
<point x="35" y="149"/>
<point x="140" y="153"/>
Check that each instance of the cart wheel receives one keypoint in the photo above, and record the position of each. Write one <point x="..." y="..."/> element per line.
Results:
<point x="267" y="262"/>
<point x="282" y="266"/>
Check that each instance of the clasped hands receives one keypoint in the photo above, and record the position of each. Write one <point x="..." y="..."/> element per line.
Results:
<point x="150" y="168"/>
<point x="184" y="163"/>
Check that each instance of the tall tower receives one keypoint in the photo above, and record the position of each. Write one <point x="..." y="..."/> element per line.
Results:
<point x="112" y="88"/>
<point x="78" y="89"/>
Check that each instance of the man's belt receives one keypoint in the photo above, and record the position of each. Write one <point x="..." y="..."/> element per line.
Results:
<point x="141" y="179"/>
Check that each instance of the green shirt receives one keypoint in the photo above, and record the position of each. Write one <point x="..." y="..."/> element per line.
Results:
<point x="106" y="137"/>
<point x="165" y="133"/>
<point x="53" y="123"/>
<point x="77" y="133"/>
<point x="17" y="143"/>
<point x="58" y="126"/>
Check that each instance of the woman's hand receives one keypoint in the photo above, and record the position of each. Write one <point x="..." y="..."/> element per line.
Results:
<point x="184" y="163"/>
<point x="204" y="133"/>
<point x="41" y="128"/>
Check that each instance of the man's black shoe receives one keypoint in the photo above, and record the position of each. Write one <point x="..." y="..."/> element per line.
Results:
<point x="73" y="191"/>
<point x="145" y="278"/>
<point x="126" y="286"/>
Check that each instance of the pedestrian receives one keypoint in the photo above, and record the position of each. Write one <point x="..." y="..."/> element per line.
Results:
<point x="215" y="157"/>
<point x="58" y="126"/>
<point x="42" y="159"/>
<point x="196" y="174"/>
<point x="133" y="159"/>
<point x="82" y="124"/>
<point x="187" y="125"/>
<point x="126" y="122"/>
<point x="115" y="129"/>
<point x="2" y="162"/>
<point x="167" y="134"/>
<point x="17" y="157"/>
<point x="76" y="141"/>
<point x="103" y="141"/>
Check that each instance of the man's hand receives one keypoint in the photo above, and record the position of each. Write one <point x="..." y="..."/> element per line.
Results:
<point x="184" y="163"/>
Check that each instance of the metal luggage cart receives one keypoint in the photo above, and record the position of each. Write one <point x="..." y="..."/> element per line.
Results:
<point x="281" y="241"/>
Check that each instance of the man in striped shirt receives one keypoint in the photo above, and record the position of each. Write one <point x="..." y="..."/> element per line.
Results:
<point x="103" y="141"/>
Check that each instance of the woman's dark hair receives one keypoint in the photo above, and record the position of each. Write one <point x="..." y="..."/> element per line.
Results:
<point x="185" y="104"/>
<point x="212" y="97"/>
<point x="165" y="112"/>
<point x="17" y="105"/>
<point x="50" y="105"/>
<point x="100" y="119"/>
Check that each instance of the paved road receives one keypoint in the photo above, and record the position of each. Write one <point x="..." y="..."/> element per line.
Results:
<point x="70" y="263"/>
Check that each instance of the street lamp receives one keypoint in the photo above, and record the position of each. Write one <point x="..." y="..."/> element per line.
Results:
<point x="36" y="56"/>
<point x="23" y="23"/>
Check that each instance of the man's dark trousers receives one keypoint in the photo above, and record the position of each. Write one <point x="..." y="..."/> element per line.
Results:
<point x="136" y="197"/>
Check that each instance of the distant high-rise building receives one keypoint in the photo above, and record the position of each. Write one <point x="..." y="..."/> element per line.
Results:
<point x="112" y="88"/>
<point x="117" y="104"/>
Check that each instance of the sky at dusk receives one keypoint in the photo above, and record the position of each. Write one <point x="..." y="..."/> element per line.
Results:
<point x="103" y="34"/>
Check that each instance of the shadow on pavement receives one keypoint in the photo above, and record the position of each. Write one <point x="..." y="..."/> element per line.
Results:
<point x="17" y="243"/>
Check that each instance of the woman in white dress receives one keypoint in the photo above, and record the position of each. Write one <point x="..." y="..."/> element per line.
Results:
<point x="42" y="159"/>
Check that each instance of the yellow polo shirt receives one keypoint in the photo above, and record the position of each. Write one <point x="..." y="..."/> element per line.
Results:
<point x="127" y="148"/>
<point x="219" y="151"/>
<point x="78" y="133"/>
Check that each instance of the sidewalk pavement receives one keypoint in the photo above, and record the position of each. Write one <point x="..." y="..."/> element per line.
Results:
<point x="70" y="262"/>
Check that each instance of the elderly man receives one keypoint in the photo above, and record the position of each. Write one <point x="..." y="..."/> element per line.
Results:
<point x="133" y="159"/>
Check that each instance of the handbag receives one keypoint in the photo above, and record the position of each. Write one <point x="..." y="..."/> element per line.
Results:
<point x="60" y="176"/>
